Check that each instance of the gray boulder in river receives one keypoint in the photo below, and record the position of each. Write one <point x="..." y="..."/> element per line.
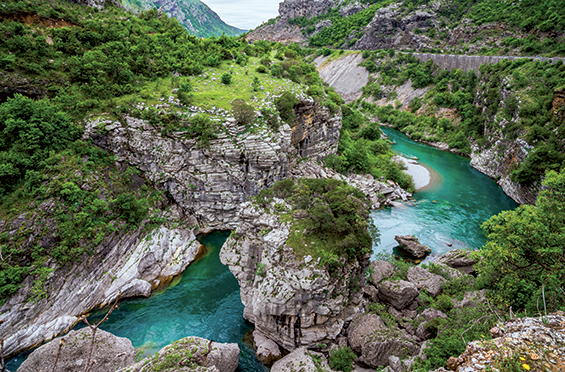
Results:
<point x="409" y="244"/>
<point x="110" y="353"/>
<point x="191" y="354"/>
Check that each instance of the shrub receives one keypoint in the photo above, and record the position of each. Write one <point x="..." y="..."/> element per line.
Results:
<point x="243" y="112"/>
<point x="226" y="79"/>
<point x="202" y="128"/>
<point x="342" y="359"/>
<point x="261" y="69"/>
<point x="285" y="104"/>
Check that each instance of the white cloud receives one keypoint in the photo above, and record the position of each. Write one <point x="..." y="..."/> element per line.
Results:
<point x="245" y="14"/>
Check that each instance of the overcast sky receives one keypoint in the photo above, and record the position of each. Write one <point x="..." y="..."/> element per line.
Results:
<point x="245" y="14"/>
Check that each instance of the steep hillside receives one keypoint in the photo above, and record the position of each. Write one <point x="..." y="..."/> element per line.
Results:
<point x="194" y="15"/>
<point x="460" y="26"/>
<point x="506" y="116"/>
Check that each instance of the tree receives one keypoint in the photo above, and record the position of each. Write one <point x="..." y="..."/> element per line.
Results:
<point x="523" y="261"/>
<point x="28" y="131"/>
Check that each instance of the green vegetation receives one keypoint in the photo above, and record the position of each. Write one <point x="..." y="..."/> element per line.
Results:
<point x="515" y="102"/>
<point x="524" y="259"/>
<point x="71" y="195"/>
<point x="329" y="219"/>
<point x="362" y="150"/>
<point x="342" y="359"/>
<point x="198" y="19"/>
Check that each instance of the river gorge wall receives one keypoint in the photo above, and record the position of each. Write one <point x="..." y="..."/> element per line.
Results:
<point x="496" y="160"/>
<point x="204" y="186"/>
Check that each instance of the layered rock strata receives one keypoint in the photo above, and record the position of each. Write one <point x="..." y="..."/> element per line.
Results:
<point x="211" y="182"/>
<point x="206" y="185"/>
<point x="295" y="301"/>
<point x="133" y="263"/>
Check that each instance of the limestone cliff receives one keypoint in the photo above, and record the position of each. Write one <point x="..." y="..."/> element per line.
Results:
<point x="292" y="299"/>
<point x="211" y="182"/>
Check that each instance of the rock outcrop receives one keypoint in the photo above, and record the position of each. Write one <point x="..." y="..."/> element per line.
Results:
<point x="266" y="350"/>
<point x="191" y="354"/>
<point x="281" y="32"/>
<point x="410" y="245"/>
<point x="458" y="259"/>
<point x="211" y="182"/>
<point x="131" y="265"/>
<point x="389" y="30"/>
<point x="536" y="342"/>
<point x="376" y="342"/>
<point x="295" y="301"/>
<point x="344" y="74"/>
<point x="108" y="351"/>
<point x="398" y="293"/>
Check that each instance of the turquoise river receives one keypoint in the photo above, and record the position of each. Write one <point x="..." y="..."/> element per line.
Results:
<point x="205" y="301"/>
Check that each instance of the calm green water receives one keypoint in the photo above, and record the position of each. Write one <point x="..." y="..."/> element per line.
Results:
<point x="204" y="303"/>
<point x="449" y="211"/>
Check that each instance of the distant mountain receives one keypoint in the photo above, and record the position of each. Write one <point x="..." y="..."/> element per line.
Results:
<point x="194" y="15"/>
<point x="496" y="27"/>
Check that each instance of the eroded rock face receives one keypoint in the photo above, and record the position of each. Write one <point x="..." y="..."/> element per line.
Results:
<point x="123" y="263"/>
<point x="376" y="342"/>
<point x="211" y="182"/>
<point x="109" y="352"/>
<point x="190" y="354"/>
<point x="409" y="244"/>
<point x="380" y="270"/>
<point x="281" y="32"/>
<point x="266" y="350"/>
<point x="423" y="279"/>
<point x="458" y="259"/>
<point x="293" y="300"/>
<point x="388" y="29"/>
<point x="344" y="73"/>
<point x="398" y="293"/>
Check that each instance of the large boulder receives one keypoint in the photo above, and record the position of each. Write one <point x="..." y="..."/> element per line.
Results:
<point x="423" y="279"/>
<point x="409" y="244"/>
<point x="189" y="354"/>
<point x="458" y="259"/>
<point x="302" y="360"/>
<point x="110" y="353"/>
<point x="380" y="270"/>
<point x="267" y="350"/>
<point x="398" y="293"/>
<point x="429" y="327"/>
<point x="376" y="342"/>
<point x="361" y="327"/>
